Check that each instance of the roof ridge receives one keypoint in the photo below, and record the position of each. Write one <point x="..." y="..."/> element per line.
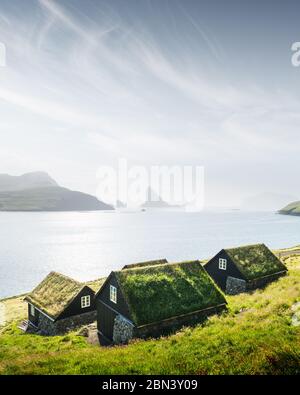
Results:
<point x="150" y="262"/>
<point x="245" y="246"/>
<point x="66" y="277"/>
<point x="96" y="279"/>
<point x="160" y="265"/>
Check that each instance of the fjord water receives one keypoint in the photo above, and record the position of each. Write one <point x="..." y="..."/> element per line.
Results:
<point x="88" y="245"/>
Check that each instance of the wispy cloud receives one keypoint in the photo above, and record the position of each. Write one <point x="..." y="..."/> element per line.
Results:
<point x="107" y="77"/>
<point x="59" y="13"/>
<point x="208" y="40"/>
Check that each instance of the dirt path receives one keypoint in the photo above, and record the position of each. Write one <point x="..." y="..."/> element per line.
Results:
<point x="2" y="314"/>
<point x="283" y="254"/>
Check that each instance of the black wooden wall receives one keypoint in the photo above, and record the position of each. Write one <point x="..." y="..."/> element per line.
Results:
<point x="34" y="319"/>
<point x="219" y="275"/>
<point x="107" y="310"/>
<point x="75" y="307"/>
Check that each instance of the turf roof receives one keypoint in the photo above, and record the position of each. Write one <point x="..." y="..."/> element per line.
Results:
<point x="159" y="292"/>
<point x="255" y="261"/>
<point x="54" y="293"/>
<point x="147" y="263"/>
<point x="95" y="285"/>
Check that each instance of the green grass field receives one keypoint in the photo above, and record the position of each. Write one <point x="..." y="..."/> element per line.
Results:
<point x="255" y="336"/>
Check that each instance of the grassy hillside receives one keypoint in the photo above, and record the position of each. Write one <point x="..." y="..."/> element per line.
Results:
<point x="12" y="309"/>
<point x="291" y="209"/>
<point x="255" y="336"/>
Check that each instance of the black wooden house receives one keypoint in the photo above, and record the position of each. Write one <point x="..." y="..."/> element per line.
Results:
<point x="60" y="303"/>
<point x="148" y="301"/>
<point x="244" y="268"/>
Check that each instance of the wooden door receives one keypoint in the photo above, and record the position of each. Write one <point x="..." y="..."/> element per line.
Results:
<point x="106" y="321"/>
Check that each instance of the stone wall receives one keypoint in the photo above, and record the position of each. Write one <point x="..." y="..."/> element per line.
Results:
<point x="46" y="326"/>
<point x="123" y="330"/>
<point x="235" y="286"/>
<point x="50" y="328"/>
<point x="70" y="323"/>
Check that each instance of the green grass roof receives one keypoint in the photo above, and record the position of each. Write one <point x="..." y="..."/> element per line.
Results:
<point x="54" y="293"/>
<point x="147" y="263"/>
<point x="159" y="292"/>
<point x="95" y="285"/>
<point x="255" y="261"/>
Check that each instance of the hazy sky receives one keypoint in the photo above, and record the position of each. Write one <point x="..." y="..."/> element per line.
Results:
<point x="158" y="82"/>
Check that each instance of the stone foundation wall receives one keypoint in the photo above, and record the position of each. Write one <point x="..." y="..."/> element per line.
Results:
<point x="235" y="286"/>
<point x="70" y="323"/>
<point x="123" y="330"/>
<point x="46" y="326"/>
<point x="50" y="328"/>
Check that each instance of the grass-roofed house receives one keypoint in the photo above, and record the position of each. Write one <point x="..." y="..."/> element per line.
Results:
<point x="60" y="303"/>
<point x="149" y="301"/>
<point x="244" y="268"/>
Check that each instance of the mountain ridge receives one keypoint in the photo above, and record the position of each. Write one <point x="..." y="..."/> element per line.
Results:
<point x="26" y="181"/>
<point x="37" y="191"/>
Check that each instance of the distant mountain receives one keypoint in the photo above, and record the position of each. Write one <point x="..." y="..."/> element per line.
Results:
<point x="266" y="202"/>
<point x="39" y="192"/>
<point x="154" y="201"/>
<point x="291" y="209"/>
<point x="26" y="181"/>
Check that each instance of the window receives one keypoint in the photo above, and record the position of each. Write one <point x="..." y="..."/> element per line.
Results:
<point x="85" y="301"/>
<point x="32" y="310"/>
<point x="222" y="264"/>
<point x="113" y="294"/>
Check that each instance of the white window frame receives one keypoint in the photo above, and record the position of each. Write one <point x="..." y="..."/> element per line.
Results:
<point x="32" y="310"/>
<point x="222" y="264"/>
<point x="113" y="294"/>
<point x="85" y="301"/>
